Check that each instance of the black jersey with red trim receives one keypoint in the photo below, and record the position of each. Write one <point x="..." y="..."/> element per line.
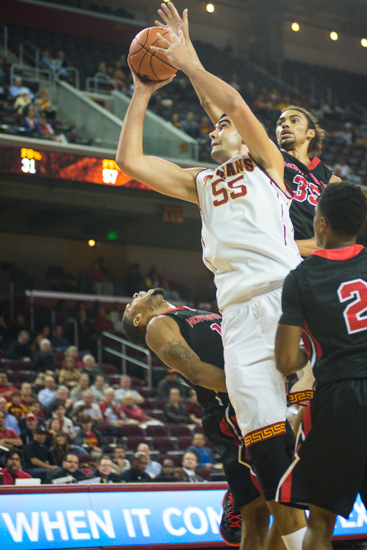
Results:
<point x="202" y="331"/>
<point x="306" y="182"/>
<point x="327" y="296"/>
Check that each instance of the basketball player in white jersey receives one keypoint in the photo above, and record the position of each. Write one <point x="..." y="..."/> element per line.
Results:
<point x="248" y="244"/>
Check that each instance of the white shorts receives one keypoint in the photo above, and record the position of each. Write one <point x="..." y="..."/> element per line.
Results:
<point x="256" y="389"/>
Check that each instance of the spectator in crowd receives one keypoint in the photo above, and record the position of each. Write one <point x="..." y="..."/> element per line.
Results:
<point x="27" y="396"/>
<point x="175" y="120"/>
<point x="175" y="411"/>
<point x="15" y="407"/>
<point x="46" y="60"/>
<point x="137" y="473"/>
<point x="170" y="381"/>
<point x="30" y="122"/>
<point x="134" y="412"/>
<point x="85" y="331"/>
<point x="102" y="323"/>
<point x="48" y="394"/>
<point x="90" y="439"/>
<point x="70" y="467"/>
<point x="110" y="412"/>
<point x="206" y="127"/>
<point x="35" y="346"/>
<point x="43" y="104"/>
<point x="62" y="396"/>
<point x="76" y="393"/>
<point x="61" y="448"/>
<point x="134" y="280"/>
<point x="13" y="469"/>
<point x="99" y="388"/>
<point x="342" y="170"/>
<point x="59" y="342"/>
<point x="4" y="328"/>
<point x="10" y="421"/>
<point x="73" y="352"/>
<point x="97" y="276"/>
<point x="44" y="361"/>
<point x="125" y="387"/>
<point x="31" y="423"/>
<point x="233" y="81"/>
<point x="53" y="426"/>
<point x="35" y="407"/>
<point x="17" y="88"/>
<point x="61" y="64"/>
<point x="168" y="469"/>
<point x="87" y="407"/>
<point x="115" y="315"/>
<point x="153" y="468"/>
<point x="5" y="389"/>
<point x="69" y="373"/>
<point x="120" y="462"/>
<point x="154" y="279"/>
<point x="90" y="367"/>
<point x="105" y="471"/>
<point x="22" y="103"/>
<point x="20" y="324"/>
<point x="190" y="127"/>
<point x="19" y="349"/>
<point x="189" y="464"/>
<point x="67" y="425"/>
<point x="195" y="411"/>
<point x="203" y="454"/>
<point x="8" y="437"/>
<point x="36" y="457"/>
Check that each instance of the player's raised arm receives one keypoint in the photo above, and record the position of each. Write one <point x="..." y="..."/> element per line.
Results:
<point x="226" y="98"/>
<point x="173" y="20"/>
<point x="161" y="175"/>
<point x="164" y="338"/>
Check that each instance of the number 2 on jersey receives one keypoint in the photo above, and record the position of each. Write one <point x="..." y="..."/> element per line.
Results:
<point x="355" y="314"/>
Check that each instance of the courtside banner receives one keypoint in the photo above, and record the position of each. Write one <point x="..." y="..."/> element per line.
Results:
<point x="164" y="515"/>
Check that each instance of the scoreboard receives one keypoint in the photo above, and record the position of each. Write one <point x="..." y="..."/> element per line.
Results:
<point x="64" y="166"/>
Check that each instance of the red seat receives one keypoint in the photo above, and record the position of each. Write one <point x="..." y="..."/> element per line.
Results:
<point x="161" y="403"/>
<point x="155" y="431"/>
<point x="180" y="430"/>
<point x="130" y="430"/>
<point x="136" y="382"/>
<point x="85" y="458"/>
<point x="183" y="442"/>
<point x="109" y="369"/>
<point x="148" y="404"/>
<point x="103" y="427"/>
<point x="164" y="443"/>
<point x="19" y="365"/>
<point x="114" y="440"/>
<point x="199" y="430"/>
<point x="113" y="379"/>
<point x="175" y="459"/>
<point x="19" y="377"/>
<point x="133" y="442"/>
<point x="203" y="472"/>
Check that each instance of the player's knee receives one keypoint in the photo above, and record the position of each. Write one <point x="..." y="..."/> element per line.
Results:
<point x="270" y="461"/>
<point x="255" y="517"/>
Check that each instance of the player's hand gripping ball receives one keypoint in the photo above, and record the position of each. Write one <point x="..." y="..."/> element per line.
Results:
<point x="147" y="63"/>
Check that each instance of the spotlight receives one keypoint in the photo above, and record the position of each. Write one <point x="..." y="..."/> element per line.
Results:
<point x="91" y="242"/>
<point x="210" y="8"/>
<point x="364" y="42"/>
<point x="334" y="36"/>
<point x="295" y="27"/>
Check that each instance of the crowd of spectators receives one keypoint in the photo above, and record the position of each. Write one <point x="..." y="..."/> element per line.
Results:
<point x="64" y="418"/>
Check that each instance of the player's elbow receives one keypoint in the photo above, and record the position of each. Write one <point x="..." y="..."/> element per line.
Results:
<point x="124" y="162"/>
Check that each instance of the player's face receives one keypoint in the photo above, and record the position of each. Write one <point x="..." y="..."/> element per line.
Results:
<point x="226" y="141"/>
<point x="292" y="130"/>
<point x="145" y="301"/>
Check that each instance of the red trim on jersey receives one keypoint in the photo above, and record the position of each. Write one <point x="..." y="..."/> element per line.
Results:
<point x="176" y="309"/>
<point x="307" y="420"/>
<point x="255" y="481"/>
<point x="317" y="345"/>
<point x="286" y="488"/>
<point x="314" y="162"/>
<point x="339" y="253"/>
<point x="227" y="430"/>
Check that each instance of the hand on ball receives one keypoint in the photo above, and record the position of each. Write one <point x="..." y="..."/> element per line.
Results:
<point x="176" y="50"/>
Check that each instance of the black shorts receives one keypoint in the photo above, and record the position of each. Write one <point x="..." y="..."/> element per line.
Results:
<point x="223" y="434"/>
<point x="329" y="467"/>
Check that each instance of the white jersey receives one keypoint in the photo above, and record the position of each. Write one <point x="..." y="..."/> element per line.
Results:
<point x="247" y="234"/>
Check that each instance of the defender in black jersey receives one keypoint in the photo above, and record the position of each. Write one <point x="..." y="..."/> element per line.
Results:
<point x="189" y="341"/>
<point x="300" y="138"/>
<point x="326" y="297"/>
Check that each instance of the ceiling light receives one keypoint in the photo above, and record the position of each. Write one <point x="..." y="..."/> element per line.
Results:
<point x="334" y="36"/>
<point x="210" y="8"/>
<point x="295" y="27"/>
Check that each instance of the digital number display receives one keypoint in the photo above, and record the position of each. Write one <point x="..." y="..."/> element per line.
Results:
<point x="64" y="166"/>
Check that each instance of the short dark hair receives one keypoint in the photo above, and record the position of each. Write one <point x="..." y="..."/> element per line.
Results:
<point x="136" y="335"/>
<point x="119" y="447"/>
<point x="344" y="205"/>
<point x="4" y="372"/>
<point x="11" y="453"/>
<point x="315" y="145"/>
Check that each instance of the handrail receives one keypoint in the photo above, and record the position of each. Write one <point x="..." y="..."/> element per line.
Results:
<point x="69" y="69"/>
<point x="126" y="357"/>
<point x="96" y="79"/>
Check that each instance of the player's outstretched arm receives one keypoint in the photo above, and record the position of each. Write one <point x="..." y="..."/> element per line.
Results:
<point x="161" y="175"/>
<point x="173" y="20"/>
<point x="229" y="101"/>
<point x="164" y="338"/>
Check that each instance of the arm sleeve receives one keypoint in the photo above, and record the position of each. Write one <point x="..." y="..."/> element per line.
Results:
<point x="292" y="306"/>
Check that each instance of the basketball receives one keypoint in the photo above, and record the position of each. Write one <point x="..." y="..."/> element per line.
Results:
<point x="148" y="64"/>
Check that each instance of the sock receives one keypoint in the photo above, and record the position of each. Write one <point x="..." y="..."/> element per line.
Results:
<point x="294" y="540"/>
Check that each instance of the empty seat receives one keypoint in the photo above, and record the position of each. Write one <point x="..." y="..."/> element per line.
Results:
<point x="184" y="442"/>
<point x="130" y="430"/>
<point x="164" y="443"/>
<point x="19" y="377"/>
<point x="199" y="430"/>
<point x="203" y="472"/>
<point x="155" y="431"/>
<point x="180" y="430"/>
<point x="15" y="364"/>
<point x="109" y="369"/>
<point x="133" y="442"/>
